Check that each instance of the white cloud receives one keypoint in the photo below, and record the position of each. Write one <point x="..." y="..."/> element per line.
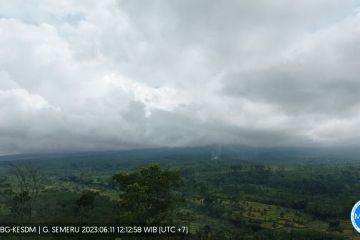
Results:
<point x="123" y="74"/>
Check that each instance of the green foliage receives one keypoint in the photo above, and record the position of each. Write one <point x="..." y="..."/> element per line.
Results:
<point x="147" y="195"/>
<point x="21" y="207"/>
<point x="85" y="203"/>
<point x="227" y="199"/>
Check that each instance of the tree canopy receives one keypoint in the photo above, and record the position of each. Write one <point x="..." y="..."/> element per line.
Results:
<point x="147" y="194"/>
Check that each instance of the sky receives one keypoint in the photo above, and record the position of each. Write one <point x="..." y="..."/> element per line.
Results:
<point x="125" y="74"/>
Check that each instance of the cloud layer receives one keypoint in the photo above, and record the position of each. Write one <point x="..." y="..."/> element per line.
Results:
<point x="86" y="75"/>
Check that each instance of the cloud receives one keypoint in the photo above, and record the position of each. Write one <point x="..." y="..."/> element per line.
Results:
<point x="129" y="74"/>
<point x="317" y="76"/>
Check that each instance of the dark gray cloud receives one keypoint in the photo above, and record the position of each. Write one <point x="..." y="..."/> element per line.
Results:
<point x="80" y="75"/>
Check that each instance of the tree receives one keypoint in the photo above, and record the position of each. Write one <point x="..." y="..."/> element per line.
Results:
<point x="147" y="195"/>
<point x="84" y="204"/>
<point x="28" y="184"/>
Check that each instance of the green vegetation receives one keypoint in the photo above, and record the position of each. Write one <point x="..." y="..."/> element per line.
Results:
<point x="147" y="197"/>
<point x="227" y="198"/>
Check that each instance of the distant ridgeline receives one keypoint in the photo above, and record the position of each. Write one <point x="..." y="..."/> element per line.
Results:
<point x="220" y="192"/>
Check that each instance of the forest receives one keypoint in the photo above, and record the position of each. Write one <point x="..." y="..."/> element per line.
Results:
<point x="228" y="194"/>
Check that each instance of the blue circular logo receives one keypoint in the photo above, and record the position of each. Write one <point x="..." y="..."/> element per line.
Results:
<point x="355" y="216"/>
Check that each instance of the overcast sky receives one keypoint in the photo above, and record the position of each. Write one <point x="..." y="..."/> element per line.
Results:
<point x="96" y="75"/>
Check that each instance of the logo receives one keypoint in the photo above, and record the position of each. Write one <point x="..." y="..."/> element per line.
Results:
<point x="355" y="216"/>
